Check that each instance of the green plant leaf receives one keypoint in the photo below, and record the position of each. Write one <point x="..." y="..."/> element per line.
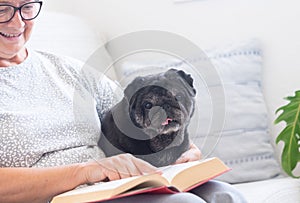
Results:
<point x="290" y="135"/>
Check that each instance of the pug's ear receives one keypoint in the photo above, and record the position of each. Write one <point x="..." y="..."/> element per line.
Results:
<point x="133" y="87"/>
<point x="187" y="77"/>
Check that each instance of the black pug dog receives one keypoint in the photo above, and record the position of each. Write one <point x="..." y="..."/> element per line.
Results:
<point x="151" y="120"/>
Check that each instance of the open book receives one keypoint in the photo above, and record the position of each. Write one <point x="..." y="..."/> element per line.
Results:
<point x="174" y="178"/>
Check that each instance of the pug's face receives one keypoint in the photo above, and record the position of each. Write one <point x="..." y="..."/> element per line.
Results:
<point x="162" y="106"/>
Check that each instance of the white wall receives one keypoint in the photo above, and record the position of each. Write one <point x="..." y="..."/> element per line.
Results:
<point x="207" y="22"/>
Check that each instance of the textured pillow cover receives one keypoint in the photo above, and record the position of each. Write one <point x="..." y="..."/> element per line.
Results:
<point x="244" y="144"/>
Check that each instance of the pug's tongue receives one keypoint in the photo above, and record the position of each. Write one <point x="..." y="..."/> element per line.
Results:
<point x="166" y="122"/>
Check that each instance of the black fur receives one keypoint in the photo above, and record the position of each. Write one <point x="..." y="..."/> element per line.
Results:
<point x="151" y="120"/>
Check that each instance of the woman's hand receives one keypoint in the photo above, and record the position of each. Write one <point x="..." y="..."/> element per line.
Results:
<point x="116" y="167"/>
<point x="192" y="154"/>
<point x="37" y="185"/>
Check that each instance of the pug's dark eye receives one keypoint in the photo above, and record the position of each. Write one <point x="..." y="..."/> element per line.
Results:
<point x="148" y="105"/>
<point x="179" y="97"/>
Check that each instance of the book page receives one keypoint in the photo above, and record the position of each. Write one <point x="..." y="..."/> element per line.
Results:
<point x="169" y="172"/>
<point x="101" y="186"/>
<point x="188" y="175"/>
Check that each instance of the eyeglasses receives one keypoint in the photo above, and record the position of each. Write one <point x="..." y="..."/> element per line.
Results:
<point x="28" y="11"/>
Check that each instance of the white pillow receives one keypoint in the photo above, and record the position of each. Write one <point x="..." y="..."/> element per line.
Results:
<point x="72" y="36"/>
<point x="245" y="141"/>
<point x="64" y="34"/>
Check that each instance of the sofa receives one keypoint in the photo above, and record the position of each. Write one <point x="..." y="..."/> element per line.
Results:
<point x="241" y="74"/>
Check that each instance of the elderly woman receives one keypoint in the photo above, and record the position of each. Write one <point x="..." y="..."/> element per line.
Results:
<point x="47" y="144"/>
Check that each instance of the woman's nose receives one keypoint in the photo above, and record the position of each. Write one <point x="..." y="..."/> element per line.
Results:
<point x="16" y="21"/>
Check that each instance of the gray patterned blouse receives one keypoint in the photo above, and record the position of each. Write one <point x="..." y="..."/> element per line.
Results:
<point x="49" y="107"/>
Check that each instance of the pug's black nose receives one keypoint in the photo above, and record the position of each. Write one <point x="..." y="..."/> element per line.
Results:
<point x="156" y="116"/>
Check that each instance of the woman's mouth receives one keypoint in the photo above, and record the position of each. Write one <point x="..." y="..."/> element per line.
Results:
<point x="10" y="35"/>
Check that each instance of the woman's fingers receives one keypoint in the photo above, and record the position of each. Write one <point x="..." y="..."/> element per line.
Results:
<point x="192" y="154"/>
<point x="117" y="167"/>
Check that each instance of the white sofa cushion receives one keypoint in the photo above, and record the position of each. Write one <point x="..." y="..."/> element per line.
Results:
<point x="281" y="190"/>
<point x="72" y="36"/>
<point x="64" y="34"/>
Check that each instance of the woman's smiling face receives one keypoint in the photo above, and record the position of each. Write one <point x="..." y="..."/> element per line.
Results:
<point x="15" y="33"/>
